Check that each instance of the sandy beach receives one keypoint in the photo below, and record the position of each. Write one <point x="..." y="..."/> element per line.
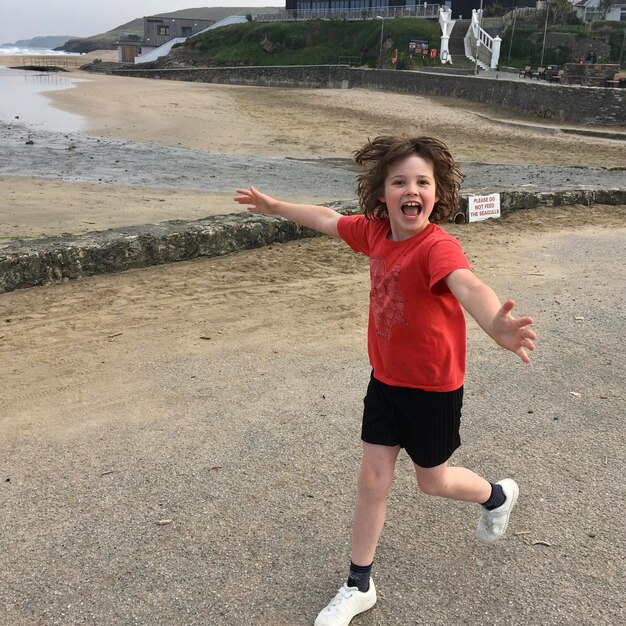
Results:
<point x="179" y="444"/>
<point x="261" y="122"/>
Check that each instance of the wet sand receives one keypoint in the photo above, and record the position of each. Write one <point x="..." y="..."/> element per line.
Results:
<point x="249" y="122"/>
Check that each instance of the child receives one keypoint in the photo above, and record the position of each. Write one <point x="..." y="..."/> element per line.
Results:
<point x="420" y="278"/>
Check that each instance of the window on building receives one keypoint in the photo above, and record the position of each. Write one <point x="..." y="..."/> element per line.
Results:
<point x="164" y="30"/>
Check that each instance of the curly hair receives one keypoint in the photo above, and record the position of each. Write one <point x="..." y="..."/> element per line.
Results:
<point x="377" y="155"/>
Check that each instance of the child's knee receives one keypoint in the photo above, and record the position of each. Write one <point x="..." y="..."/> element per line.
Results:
<point x="375" y="482"/>
<point x="430" y="485"/>
<point x="430" y="489"/>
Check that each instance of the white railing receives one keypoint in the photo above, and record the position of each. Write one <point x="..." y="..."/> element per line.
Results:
<point x="427" y="11"/>
<point x="480" y="46"/>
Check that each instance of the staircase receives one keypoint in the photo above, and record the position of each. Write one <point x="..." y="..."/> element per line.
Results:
<point x="456" y="45"/>
<point x="463" y="45"/>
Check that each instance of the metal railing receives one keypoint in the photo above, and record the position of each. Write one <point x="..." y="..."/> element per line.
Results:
<point x="426" y="11"/>
<point x="352" y="61"/>
<point x="56" y="61"/>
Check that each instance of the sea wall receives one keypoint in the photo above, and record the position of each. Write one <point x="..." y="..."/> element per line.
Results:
<point x="309" y="76"/>
<point x="563" y="103"/>
<point x="28" y="263"/>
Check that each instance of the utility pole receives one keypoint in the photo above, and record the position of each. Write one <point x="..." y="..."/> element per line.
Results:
<point x="512" y="30"/>
<point x="380" y="48"/>
<point x="545" y="31"/>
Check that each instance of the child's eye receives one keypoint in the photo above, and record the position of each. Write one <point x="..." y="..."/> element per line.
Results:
<point x="398" y="182"/>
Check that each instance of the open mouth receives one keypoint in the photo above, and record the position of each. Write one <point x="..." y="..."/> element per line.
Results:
<point x="411" y="209"/>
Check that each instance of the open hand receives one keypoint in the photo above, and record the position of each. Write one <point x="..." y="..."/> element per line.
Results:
<point x="256" y="201"/>
<point x="511" y="333"/>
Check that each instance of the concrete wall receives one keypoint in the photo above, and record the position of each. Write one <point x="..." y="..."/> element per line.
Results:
<point x="27" y="263"/>
<point x="564" y="103"/>
<point x="39" y="261"/>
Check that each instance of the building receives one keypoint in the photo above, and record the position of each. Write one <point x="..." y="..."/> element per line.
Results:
<point x="158" y="30"/>
<point x="592" y="10"/>
<point x="349" y="5"/>
<point x="392" y="8"/>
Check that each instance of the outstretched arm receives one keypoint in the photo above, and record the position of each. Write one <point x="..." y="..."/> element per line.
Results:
<point x="320" y="218"/>
<point x="481" y="302"/>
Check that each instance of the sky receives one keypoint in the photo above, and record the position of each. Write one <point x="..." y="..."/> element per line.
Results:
<point x="25" y="19"/>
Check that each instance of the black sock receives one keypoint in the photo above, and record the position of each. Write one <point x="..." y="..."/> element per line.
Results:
<point x="497" y="497"/>
<point x="359" y="576"/>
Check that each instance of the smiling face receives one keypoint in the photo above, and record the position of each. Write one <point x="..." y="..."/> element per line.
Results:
<point x="410" y="195"/>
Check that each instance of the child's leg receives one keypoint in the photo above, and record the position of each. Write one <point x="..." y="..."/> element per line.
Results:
<point x="375" y="478"/>
<point x="457" y="483"/>
<point x="359" y="593"/>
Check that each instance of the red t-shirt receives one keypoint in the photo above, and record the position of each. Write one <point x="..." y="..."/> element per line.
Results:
<point x="416" y="331"/>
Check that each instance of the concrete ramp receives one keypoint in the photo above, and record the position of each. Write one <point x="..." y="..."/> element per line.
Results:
<point x="227" y="21"/>
<point x="165" y="49"/>
<point x="161" y="51"/>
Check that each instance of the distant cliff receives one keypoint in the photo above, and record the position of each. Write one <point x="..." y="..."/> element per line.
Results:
<point x="108" y="40"/>
<point x="51" y="41"/>
<point x="103" y="41"/>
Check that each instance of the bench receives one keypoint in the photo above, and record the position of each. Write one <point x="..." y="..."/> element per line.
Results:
<point x="540" y="73"/>
<point x="525" y="72"/>
<point x="618" y="80"/>
<point x="556" y="78"/>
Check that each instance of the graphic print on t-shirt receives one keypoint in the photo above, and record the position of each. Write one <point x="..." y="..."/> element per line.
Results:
<point x="386" y="301"/>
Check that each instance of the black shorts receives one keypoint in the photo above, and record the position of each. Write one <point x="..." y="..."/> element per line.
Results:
<point x="425" y="423"/>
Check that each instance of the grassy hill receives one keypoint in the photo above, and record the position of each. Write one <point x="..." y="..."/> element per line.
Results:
<point x="307" y="43"/>
<point x="327" y="41"/>
<point x="108" y="40"/>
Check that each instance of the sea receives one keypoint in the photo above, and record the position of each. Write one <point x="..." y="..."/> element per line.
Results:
<point x="15" y="51"/>
<point x="22" y="92"/>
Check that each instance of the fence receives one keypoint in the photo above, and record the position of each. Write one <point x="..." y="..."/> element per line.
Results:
<point x="426" y="11"/>
<point x="351" y="61"/>
<point x="56" y="61"/>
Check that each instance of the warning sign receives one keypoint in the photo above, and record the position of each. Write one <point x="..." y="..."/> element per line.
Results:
<point x="483" y="207"/>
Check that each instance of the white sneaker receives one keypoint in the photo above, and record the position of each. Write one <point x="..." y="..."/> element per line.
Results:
<point x="348" y="602"/>
<point x="492" y="524"/>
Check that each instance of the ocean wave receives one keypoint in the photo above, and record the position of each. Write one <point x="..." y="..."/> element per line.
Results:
<point x="15" y="51"/>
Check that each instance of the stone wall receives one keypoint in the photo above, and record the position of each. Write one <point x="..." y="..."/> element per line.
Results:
<point x="579" y="47"/>
<point x="564" y="103"/>
<point x="588" y="74"/>
<point x="308" y="76"/>
<point x="36" y="262"/>
<point x="576" y="104"/>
